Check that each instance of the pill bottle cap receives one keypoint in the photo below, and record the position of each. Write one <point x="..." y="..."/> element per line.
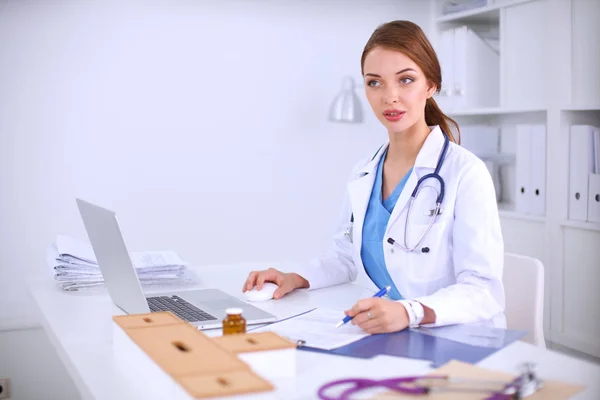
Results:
<point x="233" y="311"/>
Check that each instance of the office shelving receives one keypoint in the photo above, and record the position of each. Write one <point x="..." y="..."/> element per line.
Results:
<point x="507" y="121"/>
<point x="483" y="14"/>
<point x="548" y="74"/>
<point x="591" y="226"/>
<point x="582" y="107"/>
<point x="492" y="111"/>
<point x="506" y="211"/>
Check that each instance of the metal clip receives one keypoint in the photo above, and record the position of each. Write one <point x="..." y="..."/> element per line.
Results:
<point x="348" y="233"/>
<point x="435" y="211"/>
<point x="526" y="384"/>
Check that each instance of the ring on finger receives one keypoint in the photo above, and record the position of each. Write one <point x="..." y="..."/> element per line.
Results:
<point x="369" y="314"/>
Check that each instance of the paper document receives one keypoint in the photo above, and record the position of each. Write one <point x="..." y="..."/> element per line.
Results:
<point x="73" y="266"/>
<point x="73" y="251"/>
<point x="317" y="329"/>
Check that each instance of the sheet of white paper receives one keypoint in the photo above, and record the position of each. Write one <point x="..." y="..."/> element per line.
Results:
<point x="317" y="329"/>
<point x="149" y="259"/>
<point x="67" y="245"/>
<point x="82" y="253"/>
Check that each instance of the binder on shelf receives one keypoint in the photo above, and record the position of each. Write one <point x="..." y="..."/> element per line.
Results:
<point x="530" y="169"/>
<point x="537" y="205"/>
<point x="594" y="180"/>
<point x="446" y="53"/>
<point x="523" y="192"/>
<point x="471" y="69"/>
<point x="594" y="198"/>
<point x="581" y="165"/>
<point x="596" y="149"/>
<point x="484" y="142"/>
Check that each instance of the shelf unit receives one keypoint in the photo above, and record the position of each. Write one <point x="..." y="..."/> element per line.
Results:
<point x="506" y="212"/>
<point x="585" y="107"/>
<point x="492" y="111"/>
<point x="548" y="74"/>
<point x="484" y="14"/>
<point x="591" y="226"/>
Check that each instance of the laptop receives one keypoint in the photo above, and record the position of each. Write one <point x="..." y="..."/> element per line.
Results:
<point x="204" y="308"/>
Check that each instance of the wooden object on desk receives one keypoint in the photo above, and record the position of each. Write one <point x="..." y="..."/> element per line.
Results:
<point x="267" y="353"/>
<point x="552" y="390"/>
<point x="166" y="357"/>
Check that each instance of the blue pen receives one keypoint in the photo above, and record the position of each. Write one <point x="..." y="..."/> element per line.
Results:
<point x="348" y="318"/>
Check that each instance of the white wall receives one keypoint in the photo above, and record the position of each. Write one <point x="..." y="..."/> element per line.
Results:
<point x="36" y="371"/>
<point x="202" y="123"/>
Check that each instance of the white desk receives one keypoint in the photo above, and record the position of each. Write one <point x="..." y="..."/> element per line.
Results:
<point x="79" y="326"/>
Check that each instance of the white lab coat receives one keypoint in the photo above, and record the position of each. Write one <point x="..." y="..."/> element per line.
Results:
<point x="460" y="278"/>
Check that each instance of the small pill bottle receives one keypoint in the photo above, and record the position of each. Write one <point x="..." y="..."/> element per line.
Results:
<point x="234" y="322"/>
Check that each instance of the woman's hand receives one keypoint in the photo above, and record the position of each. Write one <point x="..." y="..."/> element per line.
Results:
<point x="287" y="282"/>
<point x="376" y="315"/>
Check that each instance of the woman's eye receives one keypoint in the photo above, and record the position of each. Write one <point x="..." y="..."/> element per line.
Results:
<point x="373" y="83"/>
<point x="406" y="81"/>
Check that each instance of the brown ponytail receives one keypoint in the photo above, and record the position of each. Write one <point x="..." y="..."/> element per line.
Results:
<point x="435" y="116"/>
<point x="408" y="38"/>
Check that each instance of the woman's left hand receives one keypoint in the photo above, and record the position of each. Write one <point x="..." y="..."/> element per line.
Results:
<point x="376" y="315"/>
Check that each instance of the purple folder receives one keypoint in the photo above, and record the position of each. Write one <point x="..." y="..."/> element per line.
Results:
<point x="438" y="345"/>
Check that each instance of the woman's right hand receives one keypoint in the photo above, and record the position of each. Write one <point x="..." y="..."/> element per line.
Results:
<point x="287" y="282"/>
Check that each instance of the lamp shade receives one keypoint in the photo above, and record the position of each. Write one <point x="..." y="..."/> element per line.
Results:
<point x="346" y="105"/>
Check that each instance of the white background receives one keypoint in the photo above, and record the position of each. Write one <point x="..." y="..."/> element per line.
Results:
<point x="203" y="124"/>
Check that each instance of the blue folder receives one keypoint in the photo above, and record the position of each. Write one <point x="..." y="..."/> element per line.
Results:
<point x="438" y="345"/>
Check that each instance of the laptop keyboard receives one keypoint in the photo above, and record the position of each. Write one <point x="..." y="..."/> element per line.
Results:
<point x="179" y="307"/>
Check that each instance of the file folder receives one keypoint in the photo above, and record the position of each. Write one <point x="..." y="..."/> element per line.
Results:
<point x="537" y="204"/>
<point x="594" y="198"/>
<point x="524" y="200"/>
<point x="446" y="52"/>
<point x="416" y="344"/>
<point x="581" y="164"/>
<point x="476" y="71"/>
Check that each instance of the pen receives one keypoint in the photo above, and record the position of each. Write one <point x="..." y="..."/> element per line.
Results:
<point x="348" y="318"/>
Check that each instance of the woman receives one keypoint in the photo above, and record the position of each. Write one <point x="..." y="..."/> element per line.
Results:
<point x="454" y="274"/>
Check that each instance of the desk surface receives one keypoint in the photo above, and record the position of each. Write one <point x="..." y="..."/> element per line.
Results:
<point x="79" y="326"/>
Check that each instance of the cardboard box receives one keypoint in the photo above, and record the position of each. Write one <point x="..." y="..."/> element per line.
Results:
<point x="163" y="357"/>
<point x="267" y="353"/>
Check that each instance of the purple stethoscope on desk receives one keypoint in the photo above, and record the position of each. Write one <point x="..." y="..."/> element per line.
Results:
<point x="524" y="385"/>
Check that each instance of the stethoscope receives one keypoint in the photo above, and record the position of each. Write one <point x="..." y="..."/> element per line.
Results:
<point x="525" y="384"/>
<point x="432" y="213"/>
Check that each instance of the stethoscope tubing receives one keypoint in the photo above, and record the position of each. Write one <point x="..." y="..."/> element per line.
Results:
<point x="435" y="212"/>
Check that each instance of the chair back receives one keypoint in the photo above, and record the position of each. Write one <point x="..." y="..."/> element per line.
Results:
<point x="524" y="287"/>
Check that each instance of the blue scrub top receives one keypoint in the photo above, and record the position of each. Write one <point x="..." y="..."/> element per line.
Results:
<point x="376" y="220"/>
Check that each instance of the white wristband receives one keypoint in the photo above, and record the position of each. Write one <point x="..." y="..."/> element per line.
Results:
<point x="415" y="312"/>
<point x="419" y="312"/>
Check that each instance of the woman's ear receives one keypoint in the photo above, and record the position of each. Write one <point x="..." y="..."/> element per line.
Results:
<point x="431" y="90"/>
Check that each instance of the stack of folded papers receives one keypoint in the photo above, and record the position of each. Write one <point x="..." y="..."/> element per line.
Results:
<point x="73" y="266"/>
